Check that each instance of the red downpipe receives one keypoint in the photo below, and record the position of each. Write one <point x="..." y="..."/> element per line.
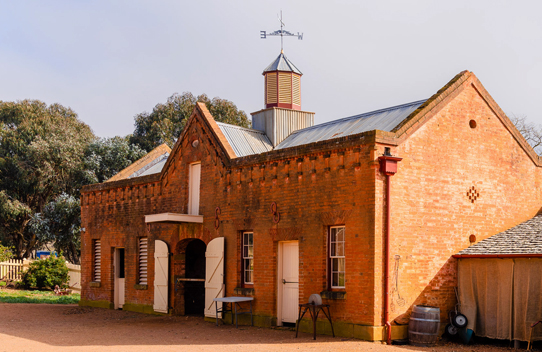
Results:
<point x="388" y="166"/>
<point x="387" y="262"/>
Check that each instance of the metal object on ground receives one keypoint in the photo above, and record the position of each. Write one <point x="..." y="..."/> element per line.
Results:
<point x="531" y="334"/>
<point x="234" y="304"/>
<point x="459" y="320"/>
<point x="424" y="325"/>
<point x="451" y="330"/>
<point x="314" y="310"/>
<point x="315" y="299"/>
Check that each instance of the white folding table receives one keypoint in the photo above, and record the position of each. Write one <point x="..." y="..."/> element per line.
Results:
<point x="234" y="303"/>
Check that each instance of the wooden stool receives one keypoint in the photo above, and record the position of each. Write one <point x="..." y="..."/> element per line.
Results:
<point x="313" y="310"/>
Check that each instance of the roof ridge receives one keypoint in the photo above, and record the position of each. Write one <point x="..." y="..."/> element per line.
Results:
<point x="365" y="114"/>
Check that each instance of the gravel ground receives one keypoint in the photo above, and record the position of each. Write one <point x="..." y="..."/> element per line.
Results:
<point x="44" y="327"/>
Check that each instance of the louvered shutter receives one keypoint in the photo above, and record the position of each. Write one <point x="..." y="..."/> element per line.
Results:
<point x="143" y="245"/>
<point x="97" y="260"/>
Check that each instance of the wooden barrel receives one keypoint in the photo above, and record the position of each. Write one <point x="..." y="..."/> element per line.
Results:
<point x="424" y="325"/>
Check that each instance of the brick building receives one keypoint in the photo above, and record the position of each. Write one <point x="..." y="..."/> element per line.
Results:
<point x="303" y="208"/>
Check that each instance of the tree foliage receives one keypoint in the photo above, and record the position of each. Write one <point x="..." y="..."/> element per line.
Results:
<point x="105" y="157"/>
<point x="5" y="253"/>
<point x="166" y="121"/>
<point x="531" y="131"/>
<point x="60" y="224"/>
<point x="41" y="156"/>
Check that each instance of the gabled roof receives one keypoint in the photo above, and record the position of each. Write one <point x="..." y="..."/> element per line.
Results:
<point x="245" y="141"/>
<point x="523" y="239"/>
<point x="281" y="63"/>
<point x="383" y="120"/>
<point x="151" y="163"/>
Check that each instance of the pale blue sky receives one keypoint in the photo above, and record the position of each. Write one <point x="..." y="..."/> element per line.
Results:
<point x="109" y="60"/>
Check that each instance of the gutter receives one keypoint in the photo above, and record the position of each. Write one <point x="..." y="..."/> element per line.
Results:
<point x="465" y="256"/>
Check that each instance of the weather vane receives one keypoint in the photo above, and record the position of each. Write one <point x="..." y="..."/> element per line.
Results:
<point x="282" y="33"/>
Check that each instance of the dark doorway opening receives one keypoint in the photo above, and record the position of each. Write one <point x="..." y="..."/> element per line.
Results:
<point x="194" y="291"/>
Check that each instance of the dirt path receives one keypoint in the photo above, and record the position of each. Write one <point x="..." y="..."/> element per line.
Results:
<point x="43" y="327"/>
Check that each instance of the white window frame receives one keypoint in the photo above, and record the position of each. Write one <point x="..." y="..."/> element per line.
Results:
<point x="334" y="248"/>
<point x="245" y="256"/>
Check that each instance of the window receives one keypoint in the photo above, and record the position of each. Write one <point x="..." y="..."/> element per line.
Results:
<point x="97" y="245"/>
<point x="247" y="258"/>
<point x="143" y="260"/>
<point x="194" y="177"/>
<point x="336" y="257"/>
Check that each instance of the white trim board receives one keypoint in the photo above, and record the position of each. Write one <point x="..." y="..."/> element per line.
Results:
<point x="173" y="218"/>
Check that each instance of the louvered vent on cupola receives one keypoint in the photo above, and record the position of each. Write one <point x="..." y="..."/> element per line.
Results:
<point x="282" y="114"/>
<point x="282" y="84"/>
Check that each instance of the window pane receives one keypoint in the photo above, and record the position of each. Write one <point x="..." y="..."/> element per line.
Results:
<point x="249" y="240"/>
<point x="340" y="234"/>
<point x="333" y="250"/>
<point x="248" y="276"/>
<point x="333" y="237"/>
<point x="340" y="249"/>
<point x="335" y="264"/>
<point x="341" y="279"/>
<point x="335" y="279"/>
<point x="250" y="251"/>
<point x="245" y="239"/>
<point x="340" y="264"/>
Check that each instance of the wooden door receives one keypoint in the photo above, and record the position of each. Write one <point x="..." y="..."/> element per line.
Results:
<point x="119" y="275"/>
<point x="214" y="274"/>
<point x="193" y="190"/>
<point x="289" y="281"/>
<point x="161" y="273"/>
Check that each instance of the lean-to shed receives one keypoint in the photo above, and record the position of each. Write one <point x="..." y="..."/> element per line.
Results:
<point x="500" y="283"/>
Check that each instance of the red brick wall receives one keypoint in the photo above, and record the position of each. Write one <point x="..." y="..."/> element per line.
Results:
<point x="312" y="193"/>
<point x="432" y="216"/>
<point x="323" y="184"/>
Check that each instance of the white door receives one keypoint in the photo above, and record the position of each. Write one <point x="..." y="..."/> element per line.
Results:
<point x="214" y="274"/>
<point x="288" y="281"/>
<point x="193" y="189"/>
<point x="119" y="278"/>
<point x="161" y="272"/>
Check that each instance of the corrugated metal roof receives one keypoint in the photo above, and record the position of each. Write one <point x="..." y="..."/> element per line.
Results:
<point x="155" y="169"/>
<point x="281" y="63"/>
<point x="245" y="141"/>
<point x="383" y="120"/>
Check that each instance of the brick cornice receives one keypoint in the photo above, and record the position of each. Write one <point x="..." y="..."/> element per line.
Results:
<point x="121" y="183"/>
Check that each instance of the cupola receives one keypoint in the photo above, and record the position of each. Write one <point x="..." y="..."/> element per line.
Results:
<point x="282" y="114"/>
<point x="282" y="84"/>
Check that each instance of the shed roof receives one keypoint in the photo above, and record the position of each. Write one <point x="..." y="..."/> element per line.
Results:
<point x="525" y="238"/>
<point x="245" y="141"/>
<point x="384" y="120"/>
<point x="281" y="63"/>
<point x="149" y="164"/>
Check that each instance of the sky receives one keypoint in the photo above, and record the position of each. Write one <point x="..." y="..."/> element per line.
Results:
<point x="111" y="60"/>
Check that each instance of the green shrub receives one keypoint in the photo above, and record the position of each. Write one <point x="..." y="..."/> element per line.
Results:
<point x="48" y="272"/>
<point x="5" y="253"/>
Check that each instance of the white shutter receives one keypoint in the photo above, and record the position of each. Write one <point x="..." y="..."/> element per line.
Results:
<point x="97" y="260"/>
<point x="214" y="274"/>
<point x="143" y="245"/>
<point x="193" y="189"/>
<point x="161" y="273"/>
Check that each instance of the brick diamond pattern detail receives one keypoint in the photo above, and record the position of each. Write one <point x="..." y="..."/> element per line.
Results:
<point x="473" y="194"/>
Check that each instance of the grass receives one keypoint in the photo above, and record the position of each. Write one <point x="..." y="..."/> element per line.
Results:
<point x="25" y="296"/>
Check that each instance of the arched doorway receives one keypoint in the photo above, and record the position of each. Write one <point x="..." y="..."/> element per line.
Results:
<point x="189" y="266"/>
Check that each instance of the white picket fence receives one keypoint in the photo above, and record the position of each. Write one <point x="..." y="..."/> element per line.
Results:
<point x="13" y="269"/>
